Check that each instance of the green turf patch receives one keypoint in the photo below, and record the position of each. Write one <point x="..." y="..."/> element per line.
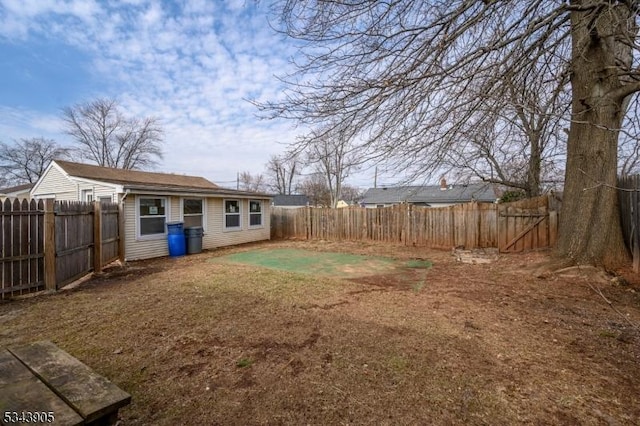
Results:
<point x="419" y="264"/>
<point x="316" y="263"/>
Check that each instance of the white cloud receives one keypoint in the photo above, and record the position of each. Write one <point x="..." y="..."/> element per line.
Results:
<point x="192" y="66"/>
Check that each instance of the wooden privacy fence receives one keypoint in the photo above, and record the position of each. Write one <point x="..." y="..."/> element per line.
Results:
<point x="46" y="245"/>
<point x="629" y="196"/>
<point x="511" y="227"/>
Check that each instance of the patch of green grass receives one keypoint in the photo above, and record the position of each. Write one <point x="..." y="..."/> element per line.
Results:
<point x="244" y="362"/>
<point x="419" y="264"/>
<point x="608" y="333"/>
<point x="398" y="363"/>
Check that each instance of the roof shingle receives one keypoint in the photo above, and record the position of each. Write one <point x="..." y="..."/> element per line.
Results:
<point x="135" y="177"/>
<point x="482" y="192"/>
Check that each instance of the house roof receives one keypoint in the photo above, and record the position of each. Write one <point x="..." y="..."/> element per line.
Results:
<point x="134" y="177"/>
<point x="16" y="189"/>
<point x="430" y="194"/>
<point x="136" y="180"/>
<point x="290" y="200"/>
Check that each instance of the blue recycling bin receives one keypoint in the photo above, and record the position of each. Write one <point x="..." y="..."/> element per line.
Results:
<point x="175" y="239"/>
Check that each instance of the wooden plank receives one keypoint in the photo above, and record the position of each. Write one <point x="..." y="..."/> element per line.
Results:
<point x="523" y="233"/>
<point x="90" y="394"/>
<point x="21" y="391"/>
<point x="49" y="246"/>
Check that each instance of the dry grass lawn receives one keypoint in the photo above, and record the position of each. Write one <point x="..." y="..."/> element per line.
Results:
<point x="200" y="341"/>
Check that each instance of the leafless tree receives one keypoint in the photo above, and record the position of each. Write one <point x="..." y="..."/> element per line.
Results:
<point x="105" y="136"/>
<point x="314" y="186"/>
<point x="253" y="183"/>
<point x="25" y="160"/>
<point x="629" y="147"/>
<point x="331" y="154"/>
<point x="351" y="194"/>
<point x="283" y="170"/>
<point x="402" y="75"/>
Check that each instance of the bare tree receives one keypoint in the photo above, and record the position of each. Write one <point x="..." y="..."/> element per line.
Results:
<point x="283" y="171"/>
<point x="629" y="147"/>
<point x="401" y="76"/>
<point x="332" y="155"/>
<point x="253" y="183"/>
<point x="103" y="135"/>
<point x="25" y="160"/>
<point x="314" y="186"/>
<point x="351" y="194"/>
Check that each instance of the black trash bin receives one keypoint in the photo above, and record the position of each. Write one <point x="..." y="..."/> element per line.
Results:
<point x="193" y="235"/>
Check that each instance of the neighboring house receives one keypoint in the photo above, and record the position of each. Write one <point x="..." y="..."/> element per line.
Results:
<point x="150" y="200"/>
<point x="290" y="201"/>
<point x="342" y="204"/>
<point x="430" y="196"/>
<point x="20" y="191"/>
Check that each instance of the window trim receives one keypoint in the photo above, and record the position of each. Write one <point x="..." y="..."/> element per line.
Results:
<point x="203" y="214"/>
<point x="167" y="218"/>
<point x="261" y="203"/>
<point x="86" y="195"/>
<point x="226" y="228"/>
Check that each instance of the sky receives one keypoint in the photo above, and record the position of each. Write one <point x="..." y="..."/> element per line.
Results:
<point x="193" y="64"/>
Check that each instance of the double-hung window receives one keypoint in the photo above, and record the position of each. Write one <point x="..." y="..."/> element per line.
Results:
<point x="193" y="212"/>
<point x="87" y="195"/>
<point x="152" y="215"/>
<point x="255" y="213"/>
<point x="232" y="214"/>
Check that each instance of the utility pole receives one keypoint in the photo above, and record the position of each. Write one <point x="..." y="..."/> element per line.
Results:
<point x="375" y="178"/>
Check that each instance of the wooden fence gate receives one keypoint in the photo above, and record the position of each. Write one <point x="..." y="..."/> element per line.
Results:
<point x="21" y="247"/>
<point x="47" y="244"/>
<point x="526" y="225"/>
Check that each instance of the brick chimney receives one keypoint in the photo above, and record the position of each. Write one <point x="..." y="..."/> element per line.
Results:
<point x="443" y="184"/>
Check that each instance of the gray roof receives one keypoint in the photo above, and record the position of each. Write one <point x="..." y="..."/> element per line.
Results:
<point x="482" y="192"/>
<point x="290" y="200"/>
<point x="17" y="188"/>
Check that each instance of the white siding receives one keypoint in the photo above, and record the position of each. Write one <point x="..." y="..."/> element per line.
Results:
<point x="97" y="190"/>
<point x="135" y="248"/>
<point x="54" y="182"/>
<point x="215" y="235"/>
<point x="70" y="189"/>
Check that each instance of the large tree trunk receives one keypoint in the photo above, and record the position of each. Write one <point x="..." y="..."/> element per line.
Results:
<point x="590" y="231"/>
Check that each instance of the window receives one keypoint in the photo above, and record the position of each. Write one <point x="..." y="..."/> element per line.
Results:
<point x="87" y="195"/>
<point x="232" y="214"/>
<point x="105" y="200"/>
<point x="192" y="212"/>
<point x="152" y="214"/>
<point x="255" y="213"/>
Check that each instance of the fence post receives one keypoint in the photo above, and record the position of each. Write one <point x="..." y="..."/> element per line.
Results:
<point x="97" y="237"/>
<point x="49" y="245"/>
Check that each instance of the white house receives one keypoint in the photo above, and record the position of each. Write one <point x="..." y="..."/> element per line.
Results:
<point x="20" y="191"/>
<point x="150" y="200"/>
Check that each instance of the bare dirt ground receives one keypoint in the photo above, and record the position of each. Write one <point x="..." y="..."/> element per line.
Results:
<point x="197" y="341"/>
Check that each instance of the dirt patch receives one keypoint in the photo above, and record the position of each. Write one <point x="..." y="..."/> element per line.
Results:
<point x="197" y="341"/>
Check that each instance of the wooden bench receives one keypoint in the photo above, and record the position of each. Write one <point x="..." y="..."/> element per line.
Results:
<point x="41" y="378"/>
